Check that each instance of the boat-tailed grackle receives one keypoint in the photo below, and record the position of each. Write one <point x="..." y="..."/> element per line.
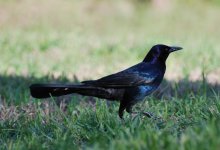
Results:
<point x="128" y="86"/>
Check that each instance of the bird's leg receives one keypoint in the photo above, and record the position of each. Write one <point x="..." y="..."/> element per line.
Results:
<point x="121" y="109"/>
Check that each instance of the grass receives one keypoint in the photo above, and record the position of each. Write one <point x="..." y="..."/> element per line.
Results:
<point x="87" y="40"/>
<point x="186" y="124"/>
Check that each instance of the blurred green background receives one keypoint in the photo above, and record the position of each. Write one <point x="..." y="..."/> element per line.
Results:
<point x="72" y="40"/>
<point x="91" y="38"/>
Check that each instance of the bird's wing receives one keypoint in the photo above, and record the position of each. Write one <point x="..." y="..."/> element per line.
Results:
<point x="126" y="78"/>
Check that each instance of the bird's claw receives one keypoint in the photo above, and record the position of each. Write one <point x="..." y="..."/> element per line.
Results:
<point x="148" y="114"/>
<point x="151" y="115"/>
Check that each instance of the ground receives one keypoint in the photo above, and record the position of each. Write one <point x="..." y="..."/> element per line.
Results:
<point x="70" y="41"/>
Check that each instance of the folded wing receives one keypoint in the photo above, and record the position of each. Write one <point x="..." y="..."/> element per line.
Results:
<point x="123" y="80"/>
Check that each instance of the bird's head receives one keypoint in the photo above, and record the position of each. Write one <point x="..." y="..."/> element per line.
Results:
<point x="160" y="53"/>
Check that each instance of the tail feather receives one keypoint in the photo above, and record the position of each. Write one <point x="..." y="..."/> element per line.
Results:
<point x="48" y="90"/>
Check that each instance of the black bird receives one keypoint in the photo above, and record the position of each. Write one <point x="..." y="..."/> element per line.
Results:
<point x="128" y="86"/>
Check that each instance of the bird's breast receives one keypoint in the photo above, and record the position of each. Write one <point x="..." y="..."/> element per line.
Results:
<point x="143" y="91"/>
<point x="147" y="89"/>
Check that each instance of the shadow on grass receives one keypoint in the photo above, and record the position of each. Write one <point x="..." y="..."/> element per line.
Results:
<point x="15" y="89"/>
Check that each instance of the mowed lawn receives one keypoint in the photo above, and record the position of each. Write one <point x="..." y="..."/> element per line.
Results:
<point x="70" y="41"/>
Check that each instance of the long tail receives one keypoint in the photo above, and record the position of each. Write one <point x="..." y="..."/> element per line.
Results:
<point x="48" y="90"/>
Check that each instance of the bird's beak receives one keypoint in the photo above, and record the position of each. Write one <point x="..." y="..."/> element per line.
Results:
<point x="174" y="48"/>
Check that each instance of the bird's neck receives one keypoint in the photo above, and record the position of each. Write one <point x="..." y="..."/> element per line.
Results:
<point x="155" y="59"/>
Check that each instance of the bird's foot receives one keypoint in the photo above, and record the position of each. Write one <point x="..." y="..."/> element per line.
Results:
<point x="148" y="114"/>
<point x="151" y="115"/>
